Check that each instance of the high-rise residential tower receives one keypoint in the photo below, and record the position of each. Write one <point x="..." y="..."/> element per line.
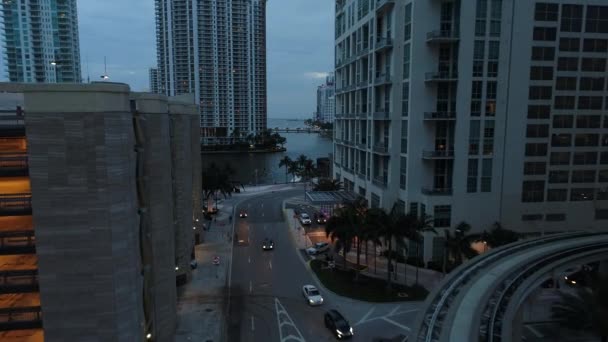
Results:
<point x="216" y="50"/>
<point x="41" y="41"/>
<point x="153" y="79"/>
<point x="326" y="101"/>
<point x="480" y="111"/>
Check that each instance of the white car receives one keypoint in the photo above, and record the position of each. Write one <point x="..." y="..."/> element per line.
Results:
<point x="312" y="295"/>
<point x="305" y="219"/>
<point x="321" y="247"/>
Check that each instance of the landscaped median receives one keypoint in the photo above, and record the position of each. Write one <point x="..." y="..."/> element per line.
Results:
<point x="365" y="288"/>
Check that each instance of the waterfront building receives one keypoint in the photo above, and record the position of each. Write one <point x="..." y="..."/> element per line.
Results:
<point x="326" y="101"/>
<point x="217" y="51"/>
<point x="480" y="111"/>
<point x="41" y="43"/>
<point x="97" y="213"/>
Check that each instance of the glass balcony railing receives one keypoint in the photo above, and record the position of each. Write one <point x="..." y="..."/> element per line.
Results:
<point x="438" y="154"/>
<point x="434" y="191"/>
<point x="440" y="77"/>
<point x="440" y="116"/>
<point x="442" y="36"/>
<point x="383" y="43"/>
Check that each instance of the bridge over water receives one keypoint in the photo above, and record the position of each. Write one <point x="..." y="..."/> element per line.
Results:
<point x="301" y="130"/>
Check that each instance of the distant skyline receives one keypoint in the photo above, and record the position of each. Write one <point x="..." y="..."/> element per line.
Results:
<point x="300" y="48"/>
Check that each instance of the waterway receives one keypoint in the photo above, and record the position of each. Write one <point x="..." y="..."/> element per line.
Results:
<point x="263" y="168"/>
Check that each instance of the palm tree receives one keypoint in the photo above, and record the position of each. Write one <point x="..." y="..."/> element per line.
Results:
<point x="370" y="232"/>
<point x="355" y="213"/>
<point x="339" y="229"/>
<point x="422" y="225"/>
<point x="285" y="162"/>
<point x="301" y="160"/>
<point x="308" y="169"/>
<point x="293" y="168"/>
<point x="500" y="236"/>
<point x="585" y="310"/>
<point x="456" y="245"/>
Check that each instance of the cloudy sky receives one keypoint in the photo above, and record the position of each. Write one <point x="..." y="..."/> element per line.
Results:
<point x="300" y="47"/>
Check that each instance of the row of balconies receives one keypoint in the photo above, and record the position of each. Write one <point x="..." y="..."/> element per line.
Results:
<point x="383" y="114"/>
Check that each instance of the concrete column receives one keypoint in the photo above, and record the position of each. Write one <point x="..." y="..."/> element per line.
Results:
<point x="82" y="162"/>
<point x="154" y="187"/>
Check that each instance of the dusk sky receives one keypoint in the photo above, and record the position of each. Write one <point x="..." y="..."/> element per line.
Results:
<point x="300" y="47"/>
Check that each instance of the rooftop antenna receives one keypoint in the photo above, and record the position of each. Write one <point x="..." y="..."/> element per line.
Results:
<point x="105" y="70"/>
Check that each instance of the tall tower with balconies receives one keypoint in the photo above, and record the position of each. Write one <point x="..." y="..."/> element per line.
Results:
<point x="217" y="51"/>
<point x="41" y="41"/>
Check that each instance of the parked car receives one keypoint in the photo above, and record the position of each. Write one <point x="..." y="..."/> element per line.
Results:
<point x="320" y="218"/>
<point x="268" y="244"/>
<point x="305" y="219"/>
<point x="243" y="214"/>
<point x="338" y="325"/>
<point x="318" y="248"/>
<point x="312" y="295"/>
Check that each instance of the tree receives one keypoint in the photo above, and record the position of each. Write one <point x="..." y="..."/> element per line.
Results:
<point x="585" y="310"/>
<point x="301" y="160"/>
<point x="339" y="229"/>
<point x="293" y="168"/>
<point x="421" y="225"/>
<point x="457" y="245"/>
<point x="216" y="180"/>
<point x="355" y="212"/>
<point x="370" y="232"/>
<point x="308" y="169"/>
<point x="500" y="236"/>
<point x="328" y="185"/>
<point x="285" y="162"/>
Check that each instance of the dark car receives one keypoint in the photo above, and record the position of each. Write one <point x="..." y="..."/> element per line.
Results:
<point x="338" y="325"/>
<point x="243" y="214"/>
<point x="268" y="245"/>
<point x="320" y="218"/>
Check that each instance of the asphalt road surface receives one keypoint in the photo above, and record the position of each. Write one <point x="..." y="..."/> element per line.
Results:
<point x="266" y="303"/>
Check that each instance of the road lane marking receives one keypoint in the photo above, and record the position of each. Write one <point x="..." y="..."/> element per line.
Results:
<point x="283" y="319"/>
<point x="363" y="320"/>
<point x="395" y="323"/>
<point x="250" y="287"/>
<point x="535" y="331"/>
<point x="262" y="214"/>
<point x="270" y="264"/>
<point x="403" y="312"/>
<point x="252" y="324"/>
<point x="393" y="311"/>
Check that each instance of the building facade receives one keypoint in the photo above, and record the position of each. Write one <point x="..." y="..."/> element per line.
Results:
<point x="500" y="120"/>
<point x="153" y="79"/>
<point x="326" y="101"/>
<point x="41" y="41"/>
<point x="217" y="51"/>
<point x="102" y="228"/>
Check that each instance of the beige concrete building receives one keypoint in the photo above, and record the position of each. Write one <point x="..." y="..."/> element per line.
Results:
<point x="112" y="208"/>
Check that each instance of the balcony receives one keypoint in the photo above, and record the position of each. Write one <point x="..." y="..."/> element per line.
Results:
<point x="380" y="149"/>
<point x="14" y="164"/>
<point x="384" y="5"/>
<point x="440" y="77"/>
<point x="383" y="79"/>
<point x="349" y="143"/>
<point x="439" y="116"/>
<point x="438" y="154"/>
<point x="29" y="317"/>
<point x="363" y="84"/>
<point x="437" y="191"/>
<point x="440" y="36"/>
<point x="17" y="242"/>
<point x="381" y="114"/>
<point x="361" y="175"/>
<point x="362" y="52"/>
<point x="384" y="43"/>
<point x="380" y="182"/>
<point x="362" y="145"/>
<point x="16" y="204"/>
<point x="18" y="281"/>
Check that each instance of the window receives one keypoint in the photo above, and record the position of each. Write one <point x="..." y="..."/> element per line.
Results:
<point x="403" y="173"/>
<point x="581" y="194"/>
<point x="557" y="195"/>
<point x="474" y="131"/>
<point x="472" y="175"/>
<point x="567" y="64"/>
<point x="488" y="135"/>
<point x="534" y="168"/>
<point x="583" y="176"/>
<point x="539" y="111"/>
<point x="493" y="50"/>
<point x="540" y="92"/>
<point x="592" y="83"/>
<point x="561" y="140"/>
<point x="491" y="90"/>
<point x="404" y="128"/>
<point x="492" y="69"/>
<point x="601" y="214"/>
<point x="476" y="91"/>
<point x="588" y="121"/>
<point x="544" y="33"/>
<point x="584" y="158"/>
<point x="560" y="158"/>
<point x="442" y="216"/>
<point x="414" y="209"/>
<point x="537" y="131"/>
<point x="542" y="73"/>
<point x="563" y="121"/>
<point x="572" y="18"/>
<point x="405" y="102"/>
<point x="533" y="191"/>
<point x="486" y="175"/>
<point x="475" y="107"/>
<point x="597" y="19"/>
<point x="586" y="140"/>
<point x="536" y="150"/>
<point x="406" y="61"/>
<point x="558" y="177"/>
<point x="545" y="12"/>
<point x="478" y="49"/>
<point x="595" y="45"/>
<point x="565" y="83"/>
<point x="605" y="140"/>
<point x="477" y="68"/>
<point x="564" y="102"/>
<point x="555" y="217"/>
<point x="604" y="158"/>
<point x="593" y="64"/>
<point x="543" y="53"/>
<point x="603" y="176"/>
<point x="569" y="44"/>
<point x="408" y="22"/>
<point x="531" y="217"/>
<point x="480" y="27"/>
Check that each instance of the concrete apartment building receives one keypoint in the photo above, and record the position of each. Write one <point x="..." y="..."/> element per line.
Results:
<point x="41" y="43"/>
<point x="153" y="79"/>
<point x="217" y="51"/>
<point x="480" y="111"/>
<point x="97" y="210"/>
<point x="326" y="100"/>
